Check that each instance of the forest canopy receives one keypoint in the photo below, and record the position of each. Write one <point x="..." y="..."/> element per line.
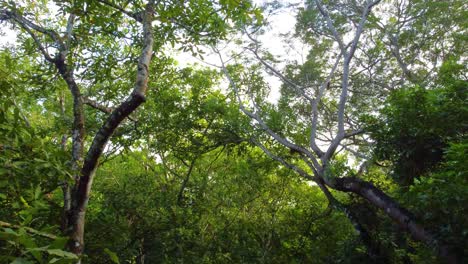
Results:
<point x="343" y="140"/>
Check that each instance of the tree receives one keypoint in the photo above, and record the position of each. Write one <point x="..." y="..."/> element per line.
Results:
<point x="183" y="176"/>
<point x="314" y="111"/>
<point x="31" y="168"/>
<point x="414" y="138"/>
<point x="89" y="39"/>
<point x="418" y="133"/>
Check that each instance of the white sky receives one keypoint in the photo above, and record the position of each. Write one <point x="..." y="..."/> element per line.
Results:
<point x="281" y="23"/>
<point x="7" y="36"/>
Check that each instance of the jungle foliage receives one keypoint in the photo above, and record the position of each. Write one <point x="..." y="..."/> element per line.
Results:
<point x="363" y="158"/>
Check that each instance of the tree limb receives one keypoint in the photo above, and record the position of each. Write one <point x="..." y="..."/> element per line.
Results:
<point x="348" y="55"/>
<point x="293" y="167"/>
<point x="136" y="98"/>
<point x="135" y="16"/>
<point x="391" y="208"/>
<point x="262" y="124"/>
<point x="101" y="107"/>
<point x="28" y="229"/>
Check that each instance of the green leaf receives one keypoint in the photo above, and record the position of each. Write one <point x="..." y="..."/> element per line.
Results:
<point x="8" y="236"/>
<point x="29" y="243"/>
<point x="112" y="255"/>
<point x="62" y="253"/>
<point x="10" y="231"/>
<point x="21" y="261"/>
<point x="37" y="192"/>
<point x="59" y="243"/>
<point x="3" y="171"/>
<point x="25" y="203"/>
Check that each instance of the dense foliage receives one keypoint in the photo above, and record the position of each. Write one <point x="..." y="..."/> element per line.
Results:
<point x="206" y="170"/>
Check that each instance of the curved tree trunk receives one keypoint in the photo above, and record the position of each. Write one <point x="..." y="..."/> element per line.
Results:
<point x="399" y="214"/>
<point x="82" y="189"/>
<point x="373" y="250"/>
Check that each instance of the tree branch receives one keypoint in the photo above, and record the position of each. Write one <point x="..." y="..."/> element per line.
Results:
<point x="135" y="16"/>
<point x="330" y="25"/>
<point x="391" y="208"/>
<point x="136" y="98"/>
<point x="293" y="167"/>
<point x="180" y="195"/>
<point x="101" y="107"/>
<point x="259" y="120"/>
<point x="28" y="229"/>
<point x="64" y="70"/>
<point x="318" y="98"/>
<point x="296" y="87"/>
<point x="6" y="14"/>
<point x="345" y="79"/>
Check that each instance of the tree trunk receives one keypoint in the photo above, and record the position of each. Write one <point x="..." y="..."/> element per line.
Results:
<point x="373" y="249"/>
<point x="76" y="198"/>
<point x="82" y="189"/>
<point x="400" y="215"/>
<point x="140" y="259"/>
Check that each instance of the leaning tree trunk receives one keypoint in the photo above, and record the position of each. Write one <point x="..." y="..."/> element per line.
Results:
<point x="82" y="189"/>
<point x="76" y="201"/>
<point x="372" y="248"/>
<point x="399" y="214"/>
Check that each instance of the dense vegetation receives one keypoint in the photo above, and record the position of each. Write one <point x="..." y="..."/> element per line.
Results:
<point x="111" y="152"/>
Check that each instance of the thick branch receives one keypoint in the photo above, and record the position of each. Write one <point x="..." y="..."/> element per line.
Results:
<point x="352" y="217"/>
<point x="400" y="215"/>
<point x="136" y="98"/>
<point x="78" y="130"/>
<point x="120" y="113"/>
<point x="348" y="55"/>
<point x="65" y="71"/>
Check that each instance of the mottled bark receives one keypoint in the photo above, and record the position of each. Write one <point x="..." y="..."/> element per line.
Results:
<point x="78" y="128"/>
<point x="82" y="190"/>
<point x="78" y="135"/>
<point x="76" y="199"/>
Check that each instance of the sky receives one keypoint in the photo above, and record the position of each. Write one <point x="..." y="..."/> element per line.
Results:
<point x="281" y="23"/>
<point x="7" y="36"/>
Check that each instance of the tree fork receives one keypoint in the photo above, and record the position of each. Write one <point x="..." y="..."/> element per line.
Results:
<point x="82" y="189"/>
